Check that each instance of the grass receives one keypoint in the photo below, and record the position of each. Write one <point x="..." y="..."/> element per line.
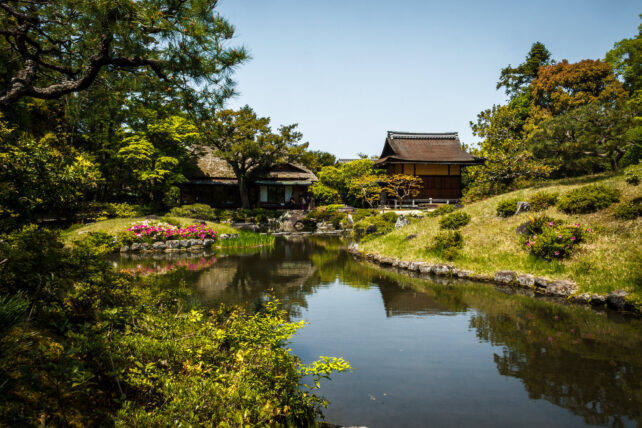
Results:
<point x="116" y="225"/>
<point x="609" y="260"/>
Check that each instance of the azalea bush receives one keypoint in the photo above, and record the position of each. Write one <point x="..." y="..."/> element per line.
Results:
<point x="150" y="230"/>
<point x="552" y="239"/>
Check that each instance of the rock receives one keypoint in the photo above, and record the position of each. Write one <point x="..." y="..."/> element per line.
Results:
<point x="395" y="263"/>
<point x="124" y="249"/>
<point x="505" y="276"/>
<point x="195" y="242"/>
<point x="441" y="269"/>
<point x="583" y="298"/>
<point x="172" y="250"/>
<point x="541" y="282"/>
<point x="525" y="280"/>
<point x="173" y="244"/>
<point x="371" y="229"/>
<point x="185" y="243"/>
<point x="350" y="219"/>
<point x="135" y="247"/>
<point x="410" y="237"/>
<point x="402" y="221"/>
<point x="482" y="277"/>
<point x="403" y="265"/>
<point x="413" y="266"/>
<point x="158" y="245"/>
<point x="145" y="246"/>
<point x="561" y="288"/>
<point x="521" y="229"/>
<point x="207" y="243"/>
<point x="233" y="235"/>
<point x="597" y="299"/>
<point x="425" y="268"/>
<point x="463" y="274"/>
<point x="386" y="261"/>
<point x="617" y="299"/>
<point x="224" y="236"/>
<point x="522" y="207"/>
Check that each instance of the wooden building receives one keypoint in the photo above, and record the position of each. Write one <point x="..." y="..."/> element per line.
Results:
<point x="214" y="183"/>
<point x="435" y="157"/>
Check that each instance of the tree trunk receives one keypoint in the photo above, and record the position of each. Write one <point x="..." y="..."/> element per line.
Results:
<point x="245" y="200"/>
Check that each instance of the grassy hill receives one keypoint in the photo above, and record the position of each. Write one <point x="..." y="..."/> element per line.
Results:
<point x="610" y="259"/>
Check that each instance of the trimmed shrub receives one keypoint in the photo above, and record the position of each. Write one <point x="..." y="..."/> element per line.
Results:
<point x="199" y="211"/>
<point x="445" y="244"/>
<point x="632" y="179"/>
<point x="507" y="207"/>
<point x="553" y="239"/>
<point x="588" y="199"/>
<point x="361" y="213"/>
<point x="629" y="210"/>
<point x="97" y="211"/>
<point x="454" y="220"/>
<point x="441" y="210"/>
<point x="390" y="217"/>
<point x="542" y="200"/>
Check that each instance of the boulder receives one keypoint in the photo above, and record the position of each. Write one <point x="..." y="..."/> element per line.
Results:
<point x="561" y="288"/>
<point x="145" y="246"/>
<point x="463" y="274"/>
<point x="425" y="268"/>
<point x="541" y="282"/>
<point x="617" y="299"/>
<point x="583" y="298"/>
<point x="402" y="221"/>
<point x="234" y="235"/>
<point x="441" y="269"/>
<point x="413" y="266"/>
<point x="521" y="229"/>
<point x="185" y="243"/>
<point x="395" y="263"/>
<point x="386" y="261"/>
<point x="136" y="246"/>
<point x="124" y="249"/>
<point x="224" y="236"/>
<point x="505" y="277"/>
<point x="410" y="237"/>
<point x="371" y="229"/>
<point x="349" y="219"/>
<point x="522" y="207"/>
<point x="195" y="242"/>
<point x="173" y="244"/>
<point x="403" y="264"/>
<point x="207" y="243"/>
<point x="525" y="280"/>
<point x="597" y="299"/>
<point x="158" y="245"/>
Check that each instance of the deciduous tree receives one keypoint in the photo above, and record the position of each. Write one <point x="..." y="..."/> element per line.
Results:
<point x="402" y="186"/>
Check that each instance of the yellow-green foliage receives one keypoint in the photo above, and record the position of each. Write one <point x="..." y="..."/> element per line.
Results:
<point x="610" y="259"/>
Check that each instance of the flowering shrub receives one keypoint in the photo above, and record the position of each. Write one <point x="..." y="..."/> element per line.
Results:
<point x="158" y="231"/>
<point x="552" y="239"/>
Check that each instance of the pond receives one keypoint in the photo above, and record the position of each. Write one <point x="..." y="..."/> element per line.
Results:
<point x="427" y="352"/>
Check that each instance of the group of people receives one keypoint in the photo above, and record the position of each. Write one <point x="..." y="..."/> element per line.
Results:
<point x="303" y="203"/>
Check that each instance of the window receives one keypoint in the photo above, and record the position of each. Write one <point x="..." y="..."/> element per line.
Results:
<point x="276" y="194"/>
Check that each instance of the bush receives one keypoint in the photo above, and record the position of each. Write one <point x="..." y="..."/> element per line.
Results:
<point x="441" y="210"/>
<point x="629" y="210"/>
<point x="507" y="207"/>
<point x="542" y="200"/>
<point x="588" y="199"/>
<point x="390" y="217"/>
<point x="632" y="179"/>
<point x="199" y="211"/>
<point x="552" y="239"/>
<point x="445" y="244"/>
<point x="361" y="213"/>
<point x="378" y="225"/>
<point x="98" y="211"/>
<point x="454" y="220"/>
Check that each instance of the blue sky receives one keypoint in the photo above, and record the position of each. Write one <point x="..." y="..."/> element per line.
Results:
<point x="347" y="71"/>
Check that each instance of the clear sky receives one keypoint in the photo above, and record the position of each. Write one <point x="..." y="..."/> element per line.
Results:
<point x="347" y="71"/>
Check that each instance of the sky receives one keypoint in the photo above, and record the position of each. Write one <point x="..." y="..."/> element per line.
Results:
<point x="348" y="71"/>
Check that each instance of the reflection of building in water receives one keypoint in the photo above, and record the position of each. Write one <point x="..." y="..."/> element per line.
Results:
<point x="406" y="301"/>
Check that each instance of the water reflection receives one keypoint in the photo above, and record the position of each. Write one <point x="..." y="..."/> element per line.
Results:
<point x="440" y="354"/>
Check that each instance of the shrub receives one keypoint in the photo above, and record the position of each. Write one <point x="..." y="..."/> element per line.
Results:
<point x="441" y="210"/>
<point x="390" y="217"/>
<point x="97" y="211"/>
<point x="381" y="225"/>
<point x="200" y="211"/>
<point x="553" y="239"/>
<point x="588" y="199"/>
<point x="629" y="210"/>
<point x="361" y="213"/>
<point x="445" y="244"/>
<point x="507" y="207"/>
<point x="542" y="200"/>
<point x="454" y="220"/>
<point x="632" y="179"/>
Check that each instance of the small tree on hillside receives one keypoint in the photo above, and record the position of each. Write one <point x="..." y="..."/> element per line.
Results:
<point x="366" y="188"/>
<point x="246" y="142"/>
<point x="402" y="186"/>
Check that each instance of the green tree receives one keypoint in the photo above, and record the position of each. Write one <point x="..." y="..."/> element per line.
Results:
<point x="335" y="186"/>
<point x="626" y="60"/>
<point x="314" y="160"/>
<point x="402" y="186"/>
<point x="515" y="80"/>
<point x="55" y="48"/>
<point x="366" y="189"/>
<point x="246" y="142"/>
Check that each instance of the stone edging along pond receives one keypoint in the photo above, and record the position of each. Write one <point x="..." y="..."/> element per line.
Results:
<point x="174" y="245"/>
<point x="561" y="288"/>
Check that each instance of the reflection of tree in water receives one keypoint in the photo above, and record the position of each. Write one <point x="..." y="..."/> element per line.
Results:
<point x="570" y="357"/>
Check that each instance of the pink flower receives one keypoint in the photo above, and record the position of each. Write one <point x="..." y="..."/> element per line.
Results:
<point x="572" y="238"/>
<point x="559" y="236"/>
<point x="551" y="223"/>
<point x="557" y="253"/>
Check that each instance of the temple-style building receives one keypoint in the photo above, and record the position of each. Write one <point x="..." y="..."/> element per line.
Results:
<point x="435" y="157"/>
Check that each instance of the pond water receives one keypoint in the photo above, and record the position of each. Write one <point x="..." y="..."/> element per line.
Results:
<point x="429" y="353"/>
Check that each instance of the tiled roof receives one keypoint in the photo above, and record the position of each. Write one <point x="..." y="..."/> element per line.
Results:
<point x="424" y="147"/>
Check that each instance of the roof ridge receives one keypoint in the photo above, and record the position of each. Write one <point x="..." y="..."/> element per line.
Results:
<point x="424" y="135"/>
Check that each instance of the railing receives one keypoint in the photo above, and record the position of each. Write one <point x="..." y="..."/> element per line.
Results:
<point x="416" y="203"/>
